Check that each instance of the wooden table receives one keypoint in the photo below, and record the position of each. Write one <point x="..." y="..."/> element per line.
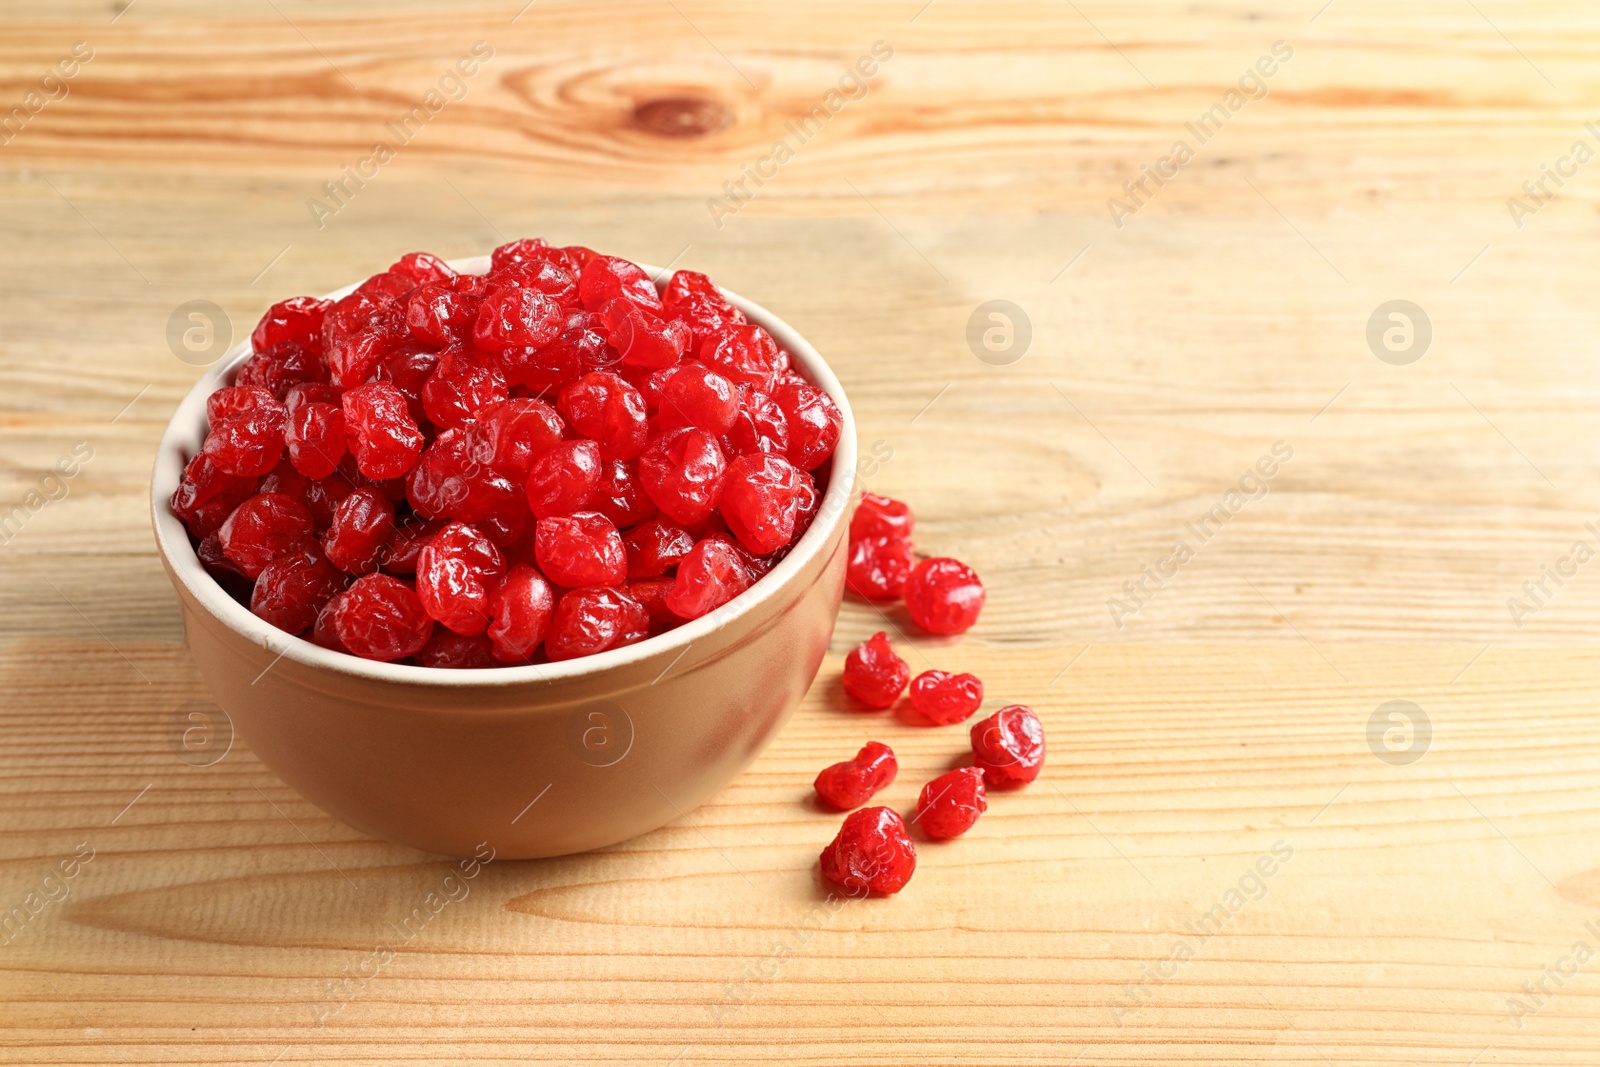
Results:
<point x="1239" y="852"/>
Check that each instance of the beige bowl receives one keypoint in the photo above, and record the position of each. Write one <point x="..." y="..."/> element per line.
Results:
<point x="536" y="761"/>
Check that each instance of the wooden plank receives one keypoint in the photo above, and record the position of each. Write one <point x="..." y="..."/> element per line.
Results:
<point x="1413" y="907"/>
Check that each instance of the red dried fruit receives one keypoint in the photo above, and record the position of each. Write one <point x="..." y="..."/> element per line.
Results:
<point x="396" y="286"/>
<point x="406" y="543"/>
<point x="704" y="317"/>
<point x="524" y="250"/>
<point x="605" y="278"/>
<point x="872" y="853"/>
<point x="298" y="319"/>
<point x="281" y="367"/>
<point x="759" y="427"/>
<point x="580" y="549"/>
<point x="951" y="803"/>
<point x="943" y="596"/>
<point x="286" y="480"/>
<point x="379" y="618"/>
<point x="879" y="516"/>
<point x="455" y="573"/>
<point x="851" y="784"/>
<point x="423" y="268"/>
<point x="381" y="433"/>
<point x="1009" y="745"/>
<point x="761" y="497"/>
<point x="206" y="495"/>
<point x="620" y="496"/>
<point x="687" y="283"/>
<point x="293" y="589"/>
<point x="246" y="436"/>
<point x="878" y="567"/>
<point x="464" y="382"/>
<point x="592" y="620"/>
<point x="562" y="480"/>
<point x="240" y="401"/>
<point x="545" y="277"/>
<point x="710" y="575"/>
<point x="441" y="315"/>
<point x="579" y="256"/>
<point x="516" y="318"/>
<point x="581" y="347"/>
<point x="512" y="434"/>
<point x="322" y="495"/>
<point x="652" y="593"/>
<point x="362" y="525"/>
<point x="943" y="698"/>
<point x="449" y="650"/>
<point x="873" y="674"/>
<point x="695" y="395"/>
<point x="656" y="547"/>
<point x="608" y="411"/>
<point x="682" y="470"/>
<point x="644" y="338"/>
<point x="357" y="332"/>
<point x="314" y="431"/>
<point x="744" y="355"/>
<point x="520" y="612"/>
<point x="408" y="369"/>
<point x="261" y="529"/>
<point x="322" y="633"/>
<point x="394" y="405"/>
<point x="814" y="422"/>
<point x="439" y="485"/>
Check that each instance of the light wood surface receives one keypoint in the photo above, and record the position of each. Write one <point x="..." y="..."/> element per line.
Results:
<point x="220" y="913"/>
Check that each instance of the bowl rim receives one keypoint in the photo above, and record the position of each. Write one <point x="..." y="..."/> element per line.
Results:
<point x="183" y="563"/>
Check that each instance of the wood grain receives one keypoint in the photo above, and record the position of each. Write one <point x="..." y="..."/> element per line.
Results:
<point x="1229" y="713"/>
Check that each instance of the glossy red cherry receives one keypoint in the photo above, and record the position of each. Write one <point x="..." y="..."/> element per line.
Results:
<point x="581" y="549"/>
<point x="872" y="853"/>
<point x="951" y="803"/>
<point x="943" y="698"/>
<point x="1009" y="745"/>
<point x="381" y="618"/>
<point x="873" y="674"/>
<point x="594" y="620"/>
<point x="456" y="572"/>
<point x="943" y="596"/>
<point x="852" y="783"/>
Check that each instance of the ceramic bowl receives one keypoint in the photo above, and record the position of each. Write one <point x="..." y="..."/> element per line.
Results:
<point x="539" y="760"/>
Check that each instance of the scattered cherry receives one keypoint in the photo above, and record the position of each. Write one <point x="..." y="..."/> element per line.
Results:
<point x="878" y="567"/>
<point x="951" y="803"/>
<point x="943" y="596"/>
<point x="872" y="852"/>
<point x="943" y="698"/>
<point x="880" y="516"/>
<point x="851" y="783"/>
<point x="873" y="674"/>
<point x="1009" y="745"/>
